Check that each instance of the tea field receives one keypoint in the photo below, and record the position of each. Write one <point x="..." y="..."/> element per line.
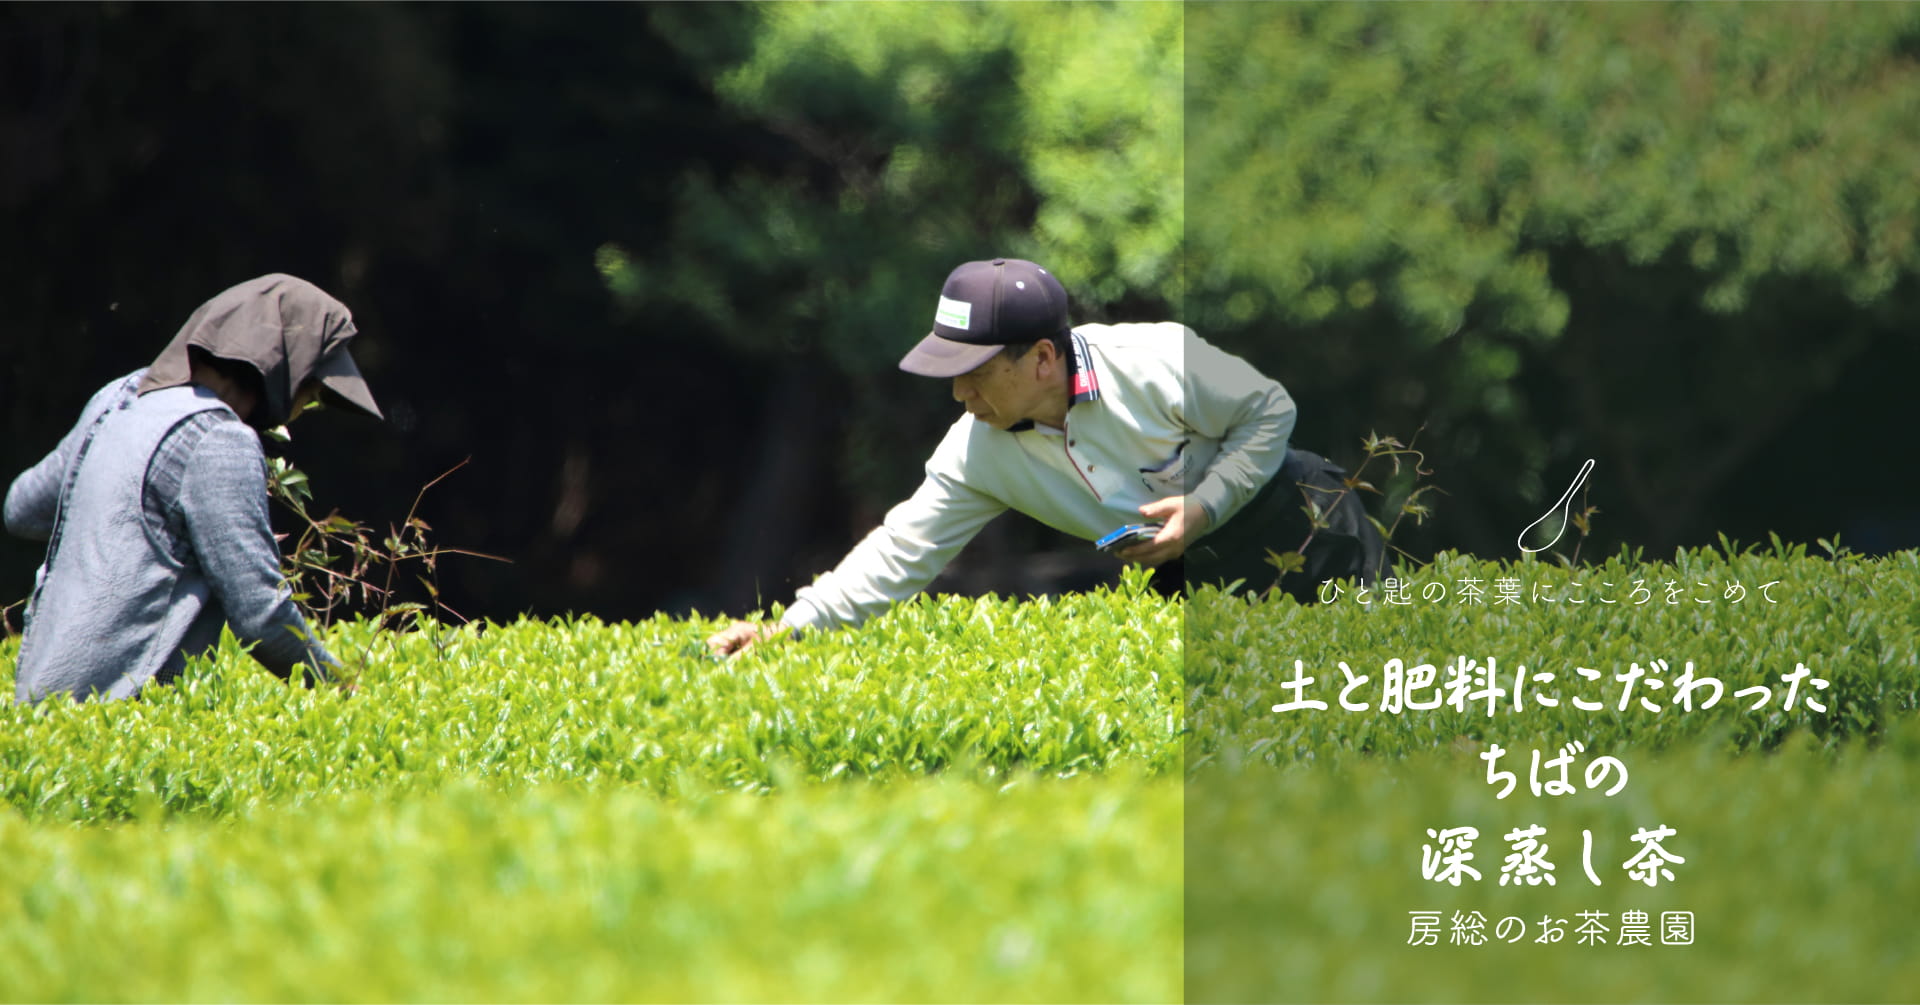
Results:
<point x="1088" y="798"/>
<point x="1308" y="830"/>
<point x="970" y="799"/>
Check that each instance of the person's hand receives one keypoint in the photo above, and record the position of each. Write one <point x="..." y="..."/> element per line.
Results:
<point x="735" y="638"/>
<point x="1182" y="520"/>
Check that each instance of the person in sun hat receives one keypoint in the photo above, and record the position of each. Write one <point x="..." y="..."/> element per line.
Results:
<point x="1088" y="428"/>
<point x="154" y="506"/>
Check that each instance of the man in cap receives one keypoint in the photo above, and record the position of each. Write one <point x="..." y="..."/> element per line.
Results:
<point x="154" y="506"/>
<point x="1087" y="429"/>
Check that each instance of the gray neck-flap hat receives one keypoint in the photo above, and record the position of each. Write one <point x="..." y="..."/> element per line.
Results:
<point x="283" y="326"/>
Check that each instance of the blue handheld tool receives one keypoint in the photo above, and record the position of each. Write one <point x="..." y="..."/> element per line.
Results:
<point x="1131" y="534"/>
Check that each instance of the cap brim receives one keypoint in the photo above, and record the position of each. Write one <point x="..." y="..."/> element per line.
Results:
<point x="941" y="357"/>
<point x="337" y="373"/>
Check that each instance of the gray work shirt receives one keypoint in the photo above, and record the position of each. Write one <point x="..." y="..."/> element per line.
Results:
<point x="155" y="508"/>
<point x="1156" y="412"/>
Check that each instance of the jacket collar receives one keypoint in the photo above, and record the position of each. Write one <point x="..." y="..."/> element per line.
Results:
<point x="1083" y="381"/>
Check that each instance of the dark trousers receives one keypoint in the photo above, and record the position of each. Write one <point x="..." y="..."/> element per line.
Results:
<point x="1349" y="547"/>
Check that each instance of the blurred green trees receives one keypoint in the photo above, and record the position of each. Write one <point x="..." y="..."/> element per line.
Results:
<point x="1675" y="238"/>
<point x="903" y="139"/>
<point x="1649" y="234"/>
<point x="1642" y="233"/>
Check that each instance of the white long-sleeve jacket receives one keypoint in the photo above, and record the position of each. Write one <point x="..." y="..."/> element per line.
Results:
<point x="1156" y="412"/>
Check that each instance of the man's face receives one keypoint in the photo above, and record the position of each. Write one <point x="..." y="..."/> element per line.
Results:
<point x="1002" y="392"/>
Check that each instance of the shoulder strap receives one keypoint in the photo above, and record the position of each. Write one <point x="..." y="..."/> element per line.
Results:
<point x="66" y="485"/>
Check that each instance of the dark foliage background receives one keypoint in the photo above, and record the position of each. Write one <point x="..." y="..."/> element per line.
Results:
<point x="649" y="266"/>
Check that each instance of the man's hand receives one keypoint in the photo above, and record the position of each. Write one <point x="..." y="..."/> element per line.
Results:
<point x="736" y="637"/>
<point x="1184" y="520"/>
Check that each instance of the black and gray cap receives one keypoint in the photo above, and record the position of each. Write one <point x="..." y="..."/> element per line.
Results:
<point x="984" y="307"/>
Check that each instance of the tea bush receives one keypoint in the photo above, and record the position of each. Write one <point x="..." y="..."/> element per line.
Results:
<point x="966" y="798"/>
<point x="1853" y="622"/>
<point x="1802" y="868"/>
<point x="1306" y="830"/>
<point x="982" y="686"/>
<point x="936" y="889"/>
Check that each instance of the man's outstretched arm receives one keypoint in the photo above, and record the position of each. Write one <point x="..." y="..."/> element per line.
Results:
<point x="893" y="562"/>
